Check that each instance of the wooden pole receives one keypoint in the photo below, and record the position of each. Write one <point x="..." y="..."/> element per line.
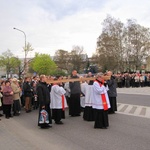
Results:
<point x="49" y="81"/>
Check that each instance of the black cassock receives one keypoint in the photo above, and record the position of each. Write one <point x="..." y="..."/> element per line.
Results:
<point x="44" y="100"/>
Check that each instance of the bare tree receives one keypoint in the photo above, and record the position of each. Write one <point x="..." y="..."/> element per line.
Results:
<point x="109" y="44"/>
<point x="78" y="59"/>
<point x="122" y="47"/>
<point x="28" y="48"/>
<point x="61" y="58"/>
<point x="137" y="44"/>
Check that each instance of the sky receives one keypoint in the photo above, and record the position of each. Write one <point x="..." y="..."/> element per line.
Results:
<point x="51" y="25"/>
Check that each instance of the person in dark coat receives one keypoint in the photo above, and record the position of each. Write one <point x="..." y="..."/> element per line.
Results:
<point x="28" y="94"/>
<point x="34" y="101"/>
<point x="75" y="90"/>
<point x="112" y="92"/>
<point x="7" y="99"/>
<point x="43" y="96"/>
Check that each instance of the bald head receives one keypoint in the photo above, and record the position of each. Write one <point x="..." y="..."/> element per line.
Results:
<point x="43" y="78"/>
<point x="109" y="73"/>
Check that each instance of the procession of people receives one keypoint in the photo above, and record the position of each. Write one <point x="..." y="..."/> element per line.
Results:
<point x="95" y="98"/>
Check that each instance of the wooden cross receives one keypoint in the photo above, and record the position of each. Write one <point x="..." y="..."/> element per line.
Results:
<point x="81" y="79"/>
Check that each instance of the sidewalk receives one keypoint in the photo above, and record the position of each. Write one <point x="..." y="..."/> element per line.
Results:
<point x="140" y="90"/>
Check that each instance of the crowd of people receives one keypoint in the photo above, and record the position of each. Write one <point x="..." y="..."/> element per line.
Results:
<point x="15" y="94"/>
<point x="96" y="98"/>
<point x="132" y="80"/>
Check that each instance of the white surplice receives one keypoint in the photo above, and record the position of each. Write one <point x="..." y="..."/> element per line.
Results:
<point x="88" y="93"/>
<point x="56" y="97"/>
<point x="83" y="90"/>
<point x="97" y="90"/>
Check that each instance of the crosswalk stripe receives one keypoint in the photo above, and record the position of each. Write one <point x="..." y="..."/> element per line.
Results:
<point x="135" y="110"/>
<point x="143" y="111"/>
<point x="124" y="108"/>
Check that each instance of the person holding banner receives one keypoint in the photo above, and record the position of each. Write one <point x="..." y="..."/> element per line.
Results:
<point x="43" y="97"/>
<point x="58" y="103"/>
<point x="100" y="102"/>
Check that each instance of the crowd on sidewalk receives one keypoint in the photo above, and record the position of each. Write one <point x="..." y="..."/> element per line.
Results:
<point x="132" y="80"/>
<point x="96" y="98"/>
<point x="15" y="94"/>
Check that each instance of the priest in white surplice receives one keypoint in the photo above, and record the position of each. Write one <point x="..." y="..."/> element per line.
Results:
<point x="88" y="113"/>
<point x="100" y="102"/>
<point x="82" y="97"/>
<point x="58" y="103"/>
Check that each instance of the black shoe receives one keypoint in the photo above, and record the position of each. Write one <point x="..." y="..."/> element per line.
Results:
<point x="45" y="126"/>
<point x="1" y="115"/>
<point x="78" y="115"/>
<point x="16" y="114"/>
<point x="75" y="115"/>
<point x="111" y="112"/>
<point x="11" y="116"/>
<point x="100" y="127"/>
<point x="59" y="122"/>
<point x="27" y="111"/>
<point x="104" y="128"/>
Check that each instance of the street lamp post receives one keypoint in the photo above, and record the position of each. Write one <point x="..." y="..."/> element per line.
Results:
<point x="25" y="50"/>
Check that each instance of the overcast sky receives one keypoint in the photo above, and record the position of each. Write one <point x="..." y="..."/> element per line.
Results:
<point x="60" y="24"/>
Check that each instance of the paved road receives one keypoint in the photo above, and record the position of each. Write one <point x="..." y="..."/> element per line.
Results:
<point x="137" y="91"/>
<point x="126" y="132"/>
<point x="134" y="101"/>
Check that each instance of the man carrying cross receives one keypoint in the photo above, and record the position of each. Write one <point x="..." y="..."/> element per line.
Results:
<point x="100" y="102"/>
<point x="75" y="90"/>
